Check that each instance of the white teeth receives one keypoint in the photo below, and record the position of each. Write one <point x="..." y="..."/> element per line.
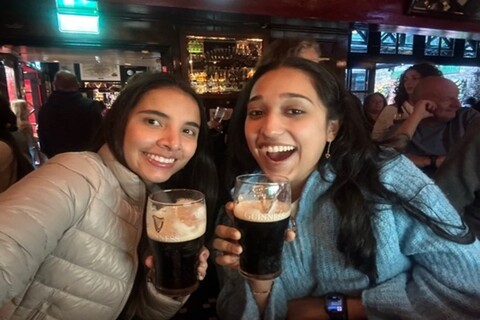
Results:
<point x="279" y="148"/>
<point x="160" y="159"/>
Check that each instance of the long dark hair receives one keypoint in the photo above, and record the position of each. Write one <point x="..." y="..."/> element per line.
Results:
<point x="200" y="172"/>
<point x="425" y="69"/>
<point x="357" y="188"/>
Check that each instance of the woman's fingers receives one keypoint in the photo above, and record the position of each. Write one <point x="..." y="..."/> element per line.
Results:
<point x="149" y="262"/>
<point x="202" y="263"/>
<point x="231" y="261"/>
<point x="229" y="208"/>
<point x="202" y="270"/>
<point x="204" y="254"/>
<point x="227" y="246"/>
<point x="225" y="232"/>
<point x="290" y="235"/>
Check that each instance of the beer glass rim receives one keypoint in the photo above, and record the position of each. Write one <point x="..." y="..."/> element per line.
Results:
<point x="199" y="196"/>
<point x="247" y="178"/>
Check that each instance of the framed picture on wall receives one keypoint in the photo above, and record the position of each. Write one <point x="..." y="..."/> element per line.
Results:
<point x="99" y="72"/>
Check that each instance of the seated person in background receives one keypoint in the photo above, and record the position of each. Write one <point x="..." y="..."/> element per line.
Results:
<point x="373" y="105"/>
<point x="436" y="124"/>
<point x="403" y="105"/>
<point x="369" y="224"/>
<point x="67" y="121"/>
<point x="20" y="108"/>
<point x="14" y="165"/>
<point x="459" y="178"/>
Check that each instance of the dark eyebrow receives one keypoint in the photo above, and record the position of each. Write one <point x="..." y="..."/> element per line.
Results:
<point x="165" y="116"/>
<point x="283" y="95"/>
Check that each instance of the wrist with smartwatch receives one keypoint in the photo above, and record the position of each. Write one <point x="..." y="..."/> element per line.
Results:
<point x="336" y="306"/>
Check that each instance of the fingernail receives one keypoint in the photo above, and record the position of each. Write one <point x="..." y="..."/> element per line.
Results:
<point x="200" y="277"/>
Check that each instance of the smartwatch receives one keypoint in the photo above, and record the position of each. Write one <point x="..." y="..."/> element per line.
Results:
<point x="336" y="306"/>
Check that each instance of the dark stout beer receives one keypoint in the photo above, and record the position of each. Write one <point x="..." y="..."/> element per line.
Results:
<point x="262" y="238"/>
<point x="176" y="266"/>
<point x="175" y="233"/>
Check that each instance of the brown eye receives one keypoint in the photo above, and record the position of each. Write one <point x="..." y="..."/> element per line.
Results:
<point x="295" y="111"/>
<point x="255" y="113"/>
<point x="152" y="122"/>
<point x="190" y="132"/>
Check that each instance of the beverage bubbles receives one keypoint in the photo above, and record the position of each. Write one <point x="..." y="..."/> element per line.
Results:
<point x="261" y="214"/>
<point x="176" y="222"/>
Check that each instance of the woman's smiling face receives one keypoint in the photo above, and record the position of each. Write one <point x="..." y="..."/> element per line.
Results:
<point x="286" y="126"/>
<point x="161" y="134"/>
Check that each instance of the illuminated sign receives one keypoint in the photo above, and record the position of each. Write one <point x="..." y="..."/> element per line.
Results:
<point x="77" y="16"/>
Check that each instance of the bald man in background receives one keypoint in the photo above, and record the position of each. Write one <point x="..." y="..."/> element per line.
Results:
<point x="437" y="123"/>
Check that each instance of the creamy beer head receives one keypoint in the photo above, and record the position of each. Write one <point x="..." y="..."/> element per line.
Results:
<point x="262" y="210"/>
<point x="176" y="223"/>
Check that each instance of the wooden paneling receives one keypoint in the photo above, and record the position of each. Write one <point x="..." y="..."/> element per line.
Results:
<point x="391" y="13"/>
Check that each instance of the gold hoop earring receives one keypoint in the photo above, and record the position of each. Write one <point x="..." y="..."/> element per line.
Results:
<point x="327" y="154"/>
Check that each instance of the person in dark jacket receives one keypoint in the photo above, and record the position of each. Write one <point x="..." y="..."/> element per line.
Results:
<point x="459" y="178"/>
<point x="67" y="121"/>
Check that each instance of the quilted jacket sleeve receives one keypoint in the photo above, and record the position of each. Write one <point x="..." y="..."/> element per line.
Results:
<point x="34" y="214"/>
<point x="153" y="305"/>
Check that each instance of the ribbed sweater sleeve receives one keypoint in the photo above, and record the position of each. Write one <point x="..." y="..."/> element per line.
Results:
<point x="421" y="275"/>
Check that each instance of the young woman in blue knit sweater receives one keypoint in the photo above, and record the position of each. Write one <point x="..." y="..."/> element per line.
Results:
<point x="370" y="226"/>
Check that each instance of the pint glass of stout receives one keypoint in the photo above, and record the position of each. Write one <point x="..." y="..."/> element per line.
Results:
<point x="176" y="223"/>
<point x="261" y="212"/>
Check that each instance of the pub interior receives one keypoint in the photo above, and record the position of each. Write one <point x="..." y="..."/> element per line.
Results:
<point x="215" y="46"/>
<point x="208" y="43"/>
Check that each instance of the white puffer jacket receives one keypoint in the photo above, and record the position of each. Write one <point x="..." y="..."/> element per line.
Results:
<point x="68" y="242"/>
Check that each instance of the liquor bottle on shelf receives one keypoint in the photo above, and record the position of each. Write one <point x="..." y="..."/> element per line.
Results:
<point x="221" y="65"/>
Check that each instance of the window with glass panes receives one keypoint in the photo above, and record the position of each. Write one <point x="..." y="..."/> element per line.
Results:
<point x="438" y="46"/>
<point x="357" y="82"/>
<point x="359" y="41"/>
<point x="471" y="49"/>
<point x="396" y="43"/>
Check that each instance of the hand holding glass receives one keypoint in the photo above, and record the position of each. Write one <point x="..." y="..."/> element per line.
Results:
<point x="261" y="212"/>
<point x="176" y="223"/>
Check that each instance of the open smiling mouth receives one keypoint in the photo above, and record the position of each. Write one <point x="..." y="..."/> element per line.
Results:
<point x="159" y="159"/>
<point x="279" y="153"/>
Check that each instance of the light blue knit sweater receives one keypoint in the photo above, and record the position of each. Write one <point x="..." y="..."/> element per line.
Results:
<point x="420" y="275"/>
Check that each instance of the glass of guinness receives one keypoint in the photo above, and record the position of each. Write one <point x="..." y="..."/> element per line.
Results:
<point x="261" y="214"/>
<point x="176" y="223"/>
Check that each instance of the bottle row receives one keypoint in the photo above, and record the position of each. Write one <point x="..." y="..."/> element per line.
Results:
<point x="219" y="80"/>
